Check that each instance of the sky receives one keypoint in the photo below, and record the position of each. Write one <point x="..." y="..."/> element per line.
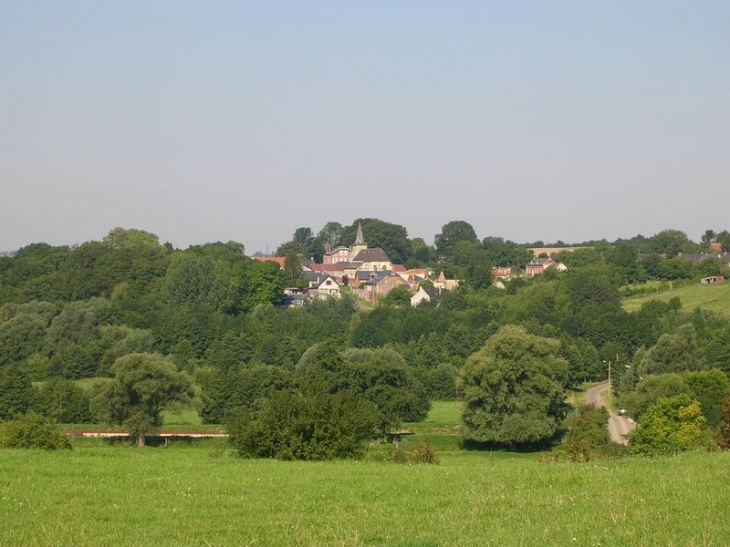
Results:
<point x="244" y="120"/>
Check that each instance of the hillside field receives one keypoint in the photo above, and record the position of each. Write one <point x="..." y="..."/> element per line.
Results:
<point x="201" y="494"/>
<point x="710" y="297"/>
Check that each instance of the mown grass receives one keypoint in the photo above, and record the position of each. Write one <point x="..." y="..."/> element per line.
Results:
<point x="710" y="297"/>
<point x="158" y="496"/>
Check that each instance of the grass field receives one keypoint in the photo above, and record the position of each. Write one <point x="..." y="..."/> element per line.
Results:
<point x="710" y="297"/>
<point x="202" y="495"/>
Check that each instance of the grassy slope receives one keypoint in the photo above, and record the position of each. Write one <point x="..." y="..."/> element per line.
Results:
<point x="711" y="297"/>
<point x="99" y="495"/>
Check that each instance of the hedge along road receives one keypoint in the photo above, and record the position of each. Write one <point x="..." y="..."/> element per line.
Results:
<point x="618" y="426"/>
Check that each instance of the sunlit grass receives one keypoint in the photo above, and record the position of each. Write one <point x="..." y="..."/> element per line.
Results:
<point x="710" y="297"/>
<point x="163" y="496"/>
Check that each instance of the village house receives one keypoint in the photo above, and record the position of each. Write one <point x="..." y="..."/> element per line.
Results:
<point x="379" y="285"/>
<point x="427" y="295"/>
<point x="537" y="266"/>
<point x="445" y="284"/>
<point x="321" y="285"/>
<point x="502" y="273"/>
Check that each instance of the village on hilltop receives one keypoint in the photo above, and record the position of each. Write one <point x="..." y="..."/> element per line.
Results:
<point x="369" y="274"/>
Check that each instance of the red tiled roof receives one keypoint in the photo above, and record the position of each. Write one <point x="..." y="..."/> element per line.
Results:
<point x="280" y="260"/>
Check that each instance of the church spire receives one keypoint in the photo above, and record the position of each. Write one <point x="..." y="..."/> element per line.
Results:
<point x="360" y="244"/>
<point x="359" y="239"/>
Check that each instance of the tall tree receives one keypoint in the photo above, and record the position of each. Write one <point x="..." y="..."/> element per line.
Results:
<point x="392" y="238"/>
<point x="452" y="233"/>
<point x="708" y="237"/>
<point x="330" y="235"/>
<point x="143" y="386"/>
<point x="16" y="391"/>
<point x="514" y="389"/>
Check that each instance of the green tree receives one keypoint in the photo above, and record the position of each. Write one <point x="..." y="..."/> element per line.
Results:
<point x="144" y="384"/>
<point x="709" y="387"/>
<point x="514" y="389"/>
<point x="64" y="402"/>
<point x="723" y="429"/>
<point x="672" y="424"/>
<point x="708" y="237"/>
<point x="587" y="433"/>
<point x="330" y="236"/>
<point x="16" y="391"/>
<point x="295" y="425"/>
<point x="392" y="238"/>
<point x="652" y="388"/>
<point x="724" y="238"/>
<point x="452" y="233"/>
<point x="119" y="238"/>
<point x="398" y="297"/>
<point x="675" y="352"/>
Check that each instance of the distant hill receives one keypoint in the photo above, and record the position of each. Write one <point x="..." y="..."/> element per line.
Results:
<point x="709" y="297"/>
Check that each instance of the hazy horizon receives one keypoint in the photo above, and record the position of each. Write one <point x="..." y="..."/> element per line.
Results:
<point x="243" y="121"/>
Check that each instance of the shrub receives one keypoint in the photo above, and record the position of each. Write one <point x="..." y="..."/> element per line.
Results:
<point x="304" y="426"/>
<point x="672" y="424"/>
<point x="424" y="452"/>
<point x="32" y="431"/>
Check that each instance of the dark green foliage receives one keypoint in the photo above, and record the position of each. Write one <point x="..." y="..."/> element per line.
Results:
<point x="392" y="238"/>
<point x="397" y="297"/>
<point x="304" y="426"/>
<point x="674" y="352"/>
<point x="723" y="429"/>
<point x="652" y="388"/>
<point x="233" y="388"/>
<point x="514" y="389"/>
<point x="709" y="387"/>
<point x="16" y="391"/>
<point x="451" y="234"/>
<point x="144" y="384"/>
<point x="439" y="382"/>
<point x="672" y="424"/>
<point x="587" y="434"/>
<point x="382" y="377"/>
<point x="32" y="431"/>
<point x="20" y="337"/>
<point x="64" y="402"/>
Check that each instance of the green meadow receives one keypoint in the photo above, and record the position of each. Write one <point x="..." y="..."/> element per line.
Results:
<point x="710" y="297"/>
<point x="201" y="494"/>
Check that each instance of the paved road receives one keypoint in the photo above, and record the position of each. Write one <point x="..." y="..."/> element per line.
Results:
<point x="618" y="426"/>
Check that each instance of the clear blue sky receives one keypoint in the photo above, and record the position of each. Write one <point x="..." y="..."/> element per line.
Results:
<point x="207" y="121"/>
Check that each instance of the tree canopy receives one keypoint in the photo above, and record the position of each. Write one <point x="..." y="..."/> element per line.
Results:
<point x="514" y="389"/>
<point x="144" y="384"/>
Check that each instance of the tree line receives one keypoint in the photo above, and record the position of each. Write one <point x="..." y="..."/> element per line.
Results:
<point x="128" y="308"/>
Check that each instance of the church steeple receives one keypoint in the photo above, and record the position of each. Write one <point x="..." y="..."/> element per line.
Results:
<point x="360" y="244"/>
<point x="359" y="240"/>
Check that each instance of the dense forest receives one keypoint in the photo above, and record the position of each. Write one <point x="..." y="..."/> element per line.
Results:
<point x="210" y="313"/>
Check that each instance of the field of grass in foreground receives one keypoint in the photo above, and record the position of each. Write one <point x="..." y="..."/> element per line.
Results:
<point x="191" y="496"/>
<point x="709" y="297"/>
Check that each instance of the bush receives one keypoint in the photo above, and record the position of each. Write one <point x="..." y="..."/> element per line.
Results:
<point x="424" y="452"/>
<point x="587" y="438"/>
<point x="304" y="426"/>
<point x="671" y="425"/>
<point x="32" y="431"/>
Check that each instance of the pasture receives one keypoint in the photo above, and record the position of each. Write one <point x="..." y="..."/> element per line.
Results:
<point x="710" y="297"/>
<point x="200" y="494"/>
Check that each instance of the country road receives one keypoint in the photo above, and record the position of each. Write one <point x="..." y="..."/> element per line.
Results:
<point x="618" y="426"/>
